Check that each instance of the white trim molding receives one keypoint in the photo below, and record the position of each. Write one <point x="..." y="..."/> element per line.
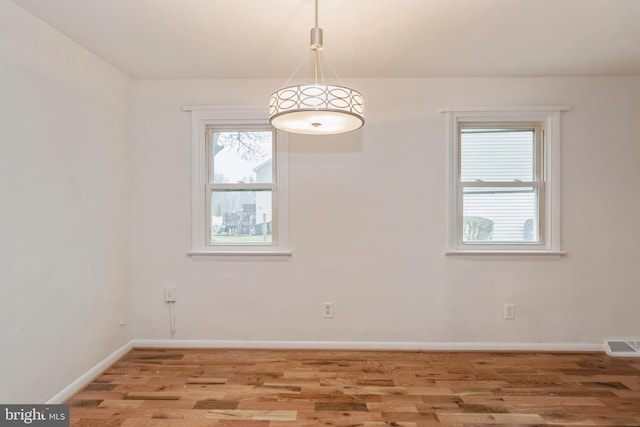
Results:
<point x="203" y="116"/>
<point x="367" y="345"/>
<point x="103" y="365"/>
<point x="550" y="215"/>
<point x="503" y="109"/>
<point x="512" y="253"/>
<point x="90" y="375"/>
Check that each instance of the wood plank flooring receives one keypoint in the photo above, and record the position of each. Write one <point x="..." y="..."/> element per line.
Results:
<point x="313" y="388"/>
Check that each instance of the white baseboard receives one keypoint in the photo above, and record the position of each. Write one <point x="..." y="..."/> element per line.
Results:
<point x="88" y="376"/>
<point x="92" y="373"/>
<point x="367" y="345"/>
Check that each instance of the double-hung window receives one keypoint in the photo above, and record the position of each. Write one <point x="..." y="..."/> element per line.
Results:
<point x="505" y="181"/>
<point x="239" y="183"/>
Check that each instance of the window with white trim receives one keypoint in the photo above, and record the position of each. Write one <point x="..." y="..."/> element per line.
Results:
<point x="239" y="183"/>
<point x="505" y="189"/>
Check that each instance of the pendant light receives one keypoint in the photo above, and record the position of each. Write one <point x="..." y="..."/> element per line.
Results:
<point x="316" y="108"/>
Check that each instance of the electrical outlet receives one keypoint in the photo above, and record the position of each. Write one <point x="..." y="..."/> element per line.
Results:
<point x="169" y="294"/>
<point x="509" y="311"/>
<point x="328" y="309"/>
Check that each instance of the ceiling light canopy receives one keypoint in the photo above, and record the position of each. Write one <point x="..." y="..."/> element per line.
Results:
<point x="316" y="108"/>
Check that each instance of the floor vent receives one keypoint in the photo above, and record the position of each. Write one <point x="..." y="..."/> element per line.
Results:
<point x="623" y="348"/>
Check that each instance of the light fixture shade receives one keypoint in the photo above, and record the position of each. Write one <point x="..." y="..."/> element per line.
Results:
<point x="316" y="109"/>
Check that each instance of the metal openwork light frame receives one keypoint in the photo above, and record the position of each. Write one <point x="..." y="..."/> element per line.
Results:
<point x="316" y="108"/>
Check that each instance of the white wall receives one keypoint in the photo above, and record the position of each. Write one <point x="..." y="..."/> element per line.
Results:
<point x="65" y="209"/>
<point x="358" y="204"/>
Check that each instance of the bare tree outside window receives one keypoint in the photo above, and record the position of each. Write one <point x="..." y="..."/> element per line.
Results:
<point x="241" y="212"/>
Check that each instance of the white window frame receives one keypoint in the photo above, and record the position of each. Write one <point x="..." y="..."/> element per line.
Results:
<point x="548" y="118"/>
<point x="202" y="119"/>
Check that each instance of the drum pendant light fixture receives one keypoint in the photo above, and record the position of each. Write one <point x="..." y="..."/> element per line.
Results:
<point x="316" y="108"/>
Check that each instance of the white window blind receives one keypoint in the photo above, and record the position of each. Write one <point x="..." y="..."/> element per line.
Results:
<point x="499" y="183"/>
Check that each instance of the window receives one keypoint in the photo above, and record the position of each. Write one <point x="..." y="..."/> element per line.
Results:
<point x="239" y="183"/>
<point x="505" y="193"/>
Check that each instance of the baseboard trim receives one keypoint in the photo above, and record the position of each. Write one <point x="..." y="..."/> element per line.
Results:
<point x="92" y="373"/>
<point x="88" y="376"/>
<point x="367" y="345"/>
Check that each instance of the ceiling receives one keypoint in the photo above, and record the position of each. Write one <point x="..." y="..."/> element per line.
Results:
<point x="154" y="39"/>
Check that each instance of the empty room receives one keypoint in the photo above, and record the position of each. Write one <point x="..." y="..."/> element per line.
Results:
<point x="273" y="213"/>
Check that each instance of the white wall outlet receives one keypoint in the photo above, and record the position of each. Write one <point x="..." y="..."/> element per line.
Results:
<point x="509" y="311"/>
<point x="328" y="310"/>
<point x="169" y="294"/>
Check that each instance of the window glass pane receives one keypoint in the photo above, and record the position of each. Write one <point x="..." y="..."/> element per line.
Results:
<point x="501" y="214"/>
<point x="241" y="157"/>
<point x="241" y="217"/>
<point x="505" y="155"/>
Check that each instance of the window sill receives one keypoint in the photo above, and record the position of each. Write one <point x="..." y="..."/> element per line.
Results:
<point x="201" y="254"/>
<point x="505" y="253"/>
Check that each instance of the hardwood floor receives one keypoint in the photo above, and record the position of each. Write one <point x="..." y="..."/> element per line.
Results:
<point x="312" y="388"/>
